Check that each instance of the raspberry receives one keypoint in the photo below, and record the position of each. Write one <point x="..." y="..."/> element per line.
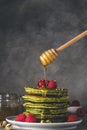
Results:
<point x="52" y="84"/>
<point x="80" y="112"/>
<point x="47" y="82"/>
<point x="41" y="83"/>
<point x="21" y="117"/>
<point x="30" y="118"/>
<point x="72" y="118"/>
<point x="75" y="103"/>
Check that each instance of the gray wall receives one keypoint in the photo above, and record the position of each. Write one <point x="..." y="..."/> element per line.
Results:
<point x="29" y="27"/>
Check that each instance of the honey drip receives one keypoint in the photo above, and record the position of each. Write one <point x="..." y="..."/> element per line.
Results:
<point x="44" y="90"/>
<point x="45" y="73"/>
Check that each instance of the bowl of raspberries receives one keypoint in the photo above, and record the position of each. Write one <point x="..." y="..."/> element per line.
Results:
<point x="76" y="108"/>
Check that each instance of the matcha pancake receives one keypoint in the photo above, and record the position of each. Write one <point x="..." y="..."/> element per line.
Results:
<point x="35" y="98"/>
<point x="46" y="102"/>
<point x="45" y="92"/>
<point x="46" y="111"/>
<point x="45" y="105"/>
<point x="51" y="117"/>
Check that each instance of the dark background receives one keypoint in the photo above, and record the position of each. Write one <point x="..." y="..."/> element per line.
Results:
<point x="28" y="28"/>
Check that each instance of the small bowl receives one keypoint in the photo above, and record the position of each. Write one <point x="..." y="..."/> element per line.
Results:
<point x="73" y="109"/>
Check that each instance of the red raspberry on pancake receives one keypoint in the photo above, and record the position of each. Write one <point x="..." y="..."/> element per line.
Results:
<point x="52" y="84"/>
<point x="41" y="83"/>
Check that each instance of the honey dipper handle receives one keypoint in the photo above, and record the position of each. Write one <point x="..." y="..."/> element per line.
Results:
<point x="72" y="41"/>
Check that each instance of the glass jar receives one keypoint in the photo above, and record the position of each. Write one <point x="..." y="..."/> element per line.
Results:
<point x="9" y="105"/>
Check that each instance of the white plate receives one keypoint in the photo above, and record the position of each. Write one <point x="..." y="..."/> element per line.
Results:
<point x="42" y="126"/>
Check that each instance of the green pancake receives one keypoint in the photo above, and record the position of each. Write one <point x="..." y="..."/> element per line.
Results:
<point x="35" y="98"/>
<point x="46" y="111"/>
<point x="45" y="92"/>
<point x="51" y="117"/>
<point x="45" y="105"/>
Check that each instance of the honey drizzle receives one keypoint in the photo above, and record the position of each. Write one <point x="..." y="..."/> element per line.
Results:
<point x="44" y="90"/>
<point x="45" y="73"/>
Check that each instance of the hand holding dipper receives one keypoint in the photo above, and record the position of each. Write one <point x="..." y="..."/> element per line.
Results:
<point x="50" y="55"/>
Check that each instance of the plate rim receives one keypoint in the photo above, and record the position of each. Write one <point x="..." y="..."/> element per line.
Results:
<point x="10" y="119"/>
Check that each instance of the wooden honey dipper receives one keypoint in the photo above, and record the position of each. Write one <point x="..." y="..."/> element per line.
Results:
<point x="50" y="55"/>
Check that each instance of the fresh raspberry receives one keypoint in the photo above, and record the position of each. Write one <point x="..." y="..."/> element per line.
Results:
<point x="75" y="103"/>
<point x="72" y="118"/>
<point x="21" y="117"/>
<point x="30" y="118"/>
<point x="47" y="82"/>
<point x="52" y="84"/>
<point x="41" y="83"/>
<point x="80" y="112"/>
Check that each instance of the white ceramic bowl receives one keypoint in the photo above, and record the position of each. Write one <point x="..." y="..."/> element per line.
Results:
<point x="73" y="109"/>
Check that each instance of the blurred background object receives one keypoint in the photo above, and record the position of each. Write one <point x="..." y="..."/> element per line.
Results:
<point x="10" y="105"/>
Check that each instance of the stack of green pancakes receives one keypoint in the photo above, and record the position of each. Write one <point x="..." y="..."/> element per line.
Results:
<point x="48" y="105"/>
